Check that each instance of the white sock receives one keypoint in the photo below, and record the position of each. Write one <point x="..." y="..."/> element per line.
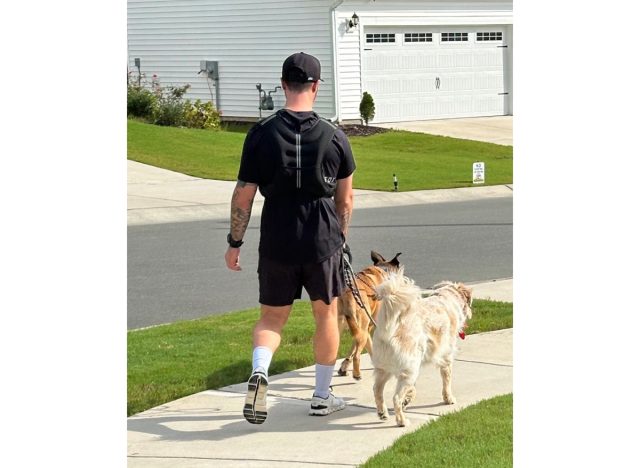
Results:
<point x="262" y="359"/>
<point x="323" y="380"/>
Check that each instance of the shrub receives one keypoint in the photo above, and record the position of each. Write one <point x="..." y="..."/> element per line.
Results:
<point x="367" y="108"/>
<point x="169" y="109"/>
<point x="201" y="115"/>
<point x="140" y="101"/>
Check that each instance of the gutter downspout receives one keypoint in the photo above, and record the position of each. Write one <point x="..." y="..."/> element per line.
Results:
<point x="334" y="53"/>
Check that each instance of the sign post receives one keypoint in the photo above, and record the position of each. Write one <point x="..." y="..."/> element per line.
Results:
<point x="478" y="172"/>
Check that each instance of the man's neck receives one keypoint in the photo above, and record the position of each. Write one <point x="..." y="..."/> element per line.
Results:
<point x="299" y="103"/>
<point x="298" y="108"/>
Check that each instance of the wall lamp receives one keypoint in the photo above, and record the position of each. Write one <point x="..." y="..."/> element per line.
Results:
<point x="353" y="22"/>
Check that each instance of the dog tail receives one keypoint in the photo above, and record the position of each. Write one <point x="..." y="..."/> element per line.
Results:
<point x="396" y="290"/>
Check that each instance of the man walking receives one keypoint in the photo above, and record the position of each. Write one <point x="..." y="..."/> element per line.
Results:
<point x="303" y="166"/>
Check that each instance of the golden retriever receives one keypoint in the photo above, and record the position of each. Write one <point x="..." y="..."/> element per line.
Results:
<point x="412" y="331"/>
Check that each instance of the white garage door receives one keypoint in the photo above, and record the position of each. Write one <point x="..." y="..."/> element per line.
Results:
<point x="418" y="73"/>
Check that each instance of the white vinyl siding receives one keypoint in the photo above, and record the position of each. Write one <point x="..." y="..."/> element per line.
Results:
<point x="249" y="39"/>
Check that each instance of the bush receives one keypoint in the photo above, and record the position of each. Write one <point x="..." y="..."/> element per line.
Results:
<point x="140" y="101"/>
<point x="367" y="108"/>
<point x="199" y="115"/>
<point x="170" y="108"/>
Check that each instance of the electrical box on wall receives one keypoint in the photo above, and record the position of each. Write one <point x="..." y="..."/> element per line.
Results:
<point x="210" y="68"/>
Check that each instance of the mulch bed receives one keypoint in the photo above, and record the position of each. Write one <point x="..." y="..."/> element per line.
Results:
<point x="362" y="130"/>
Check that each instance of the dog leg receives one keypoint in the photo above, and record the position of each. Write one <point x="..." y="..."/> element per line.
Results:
<point x="445" y="373"/>
<point x="380" y="379"/>
<point x="369" y="345"/>
<point x="409" y="396"/>
<point x="403" y="390"/>
<point x="354" y="329"/>
<point x="344" y="367"/>
<point x="361" y="341"/>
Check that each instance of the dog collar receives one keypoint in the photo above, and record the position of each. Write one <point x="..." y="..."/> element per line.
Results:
<point x="461" y="332"/>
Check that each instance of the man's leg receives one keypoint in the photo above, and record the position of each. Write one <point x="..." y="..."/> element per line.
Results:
<point x="267" y="334"/>
<point x="266" y="339"/>
<point x="326" y="341"/>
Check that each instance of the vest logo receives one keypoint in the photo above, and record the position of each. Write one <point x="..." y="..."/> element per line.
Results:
<point x="330" y="180"/>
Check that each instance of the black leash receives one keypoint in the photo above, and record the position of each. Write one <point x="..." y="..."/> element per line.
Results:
<point x="350" y="279"/>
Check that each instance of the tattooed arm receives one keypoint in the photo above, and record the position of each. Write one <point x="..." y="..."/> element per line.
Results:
<point x="241" y="204"/>
<point x="344" y="203"/>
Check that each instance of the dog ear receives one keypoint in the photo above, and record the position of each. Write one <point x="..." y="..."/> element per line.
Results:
<point x="466" y="292"/>
<point x="376" y="257"/>
<point x="395" y="261"/>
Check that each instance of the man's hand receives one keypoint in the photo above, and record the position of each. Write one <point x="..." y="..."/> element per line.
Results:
<point x="232" y="257"/>
<point x="346" y="250"/>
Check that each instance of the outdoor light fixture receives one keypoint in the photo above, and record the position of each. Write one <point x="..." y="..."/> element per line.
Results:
<point x="353" y="22"/>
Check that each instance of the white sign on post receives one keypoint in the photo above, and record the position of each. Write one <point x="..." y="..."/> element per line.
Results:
<point x="478" y="173"/>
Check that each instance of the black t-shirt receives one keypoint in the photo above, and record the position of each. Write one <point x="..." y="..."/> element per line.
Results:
<point x="296" y="229"/>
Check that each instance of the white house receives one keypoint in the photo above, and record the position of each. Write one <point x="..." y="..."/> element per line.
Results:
<point x="418" y="59"/>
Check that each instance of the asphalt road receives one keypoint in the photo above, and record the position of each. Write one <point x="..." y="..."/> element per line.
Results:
<point x="177" y="271"/>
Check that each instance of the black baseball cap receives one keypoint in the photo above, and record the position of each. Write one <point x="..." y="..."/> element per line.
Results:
<point x="301" y="68"/>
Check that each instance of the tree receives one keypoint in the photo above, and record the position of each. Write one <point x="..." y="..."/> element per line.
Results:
<point x="367" y="108"/>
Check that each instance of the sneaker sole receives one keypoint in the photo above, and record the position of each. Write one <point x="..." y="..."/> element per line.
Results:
<point x="255" y="404"/>
<point x="324" y="411"/>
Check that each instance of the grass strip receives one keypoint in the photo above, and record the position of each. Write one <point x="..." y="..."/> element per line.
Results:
<point x="420" y="161"/>
<point x="478" y="436"/>
<point x="172" y="361"/>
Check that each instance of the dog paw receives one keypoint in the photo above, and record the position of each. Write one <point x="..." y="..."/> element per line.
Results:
<point x="404" y="422"/>
<point x="357" y="377"/>
<point x="383" y="416"/>
<point x="451" y="400"/>
<point x="342" y="373"/>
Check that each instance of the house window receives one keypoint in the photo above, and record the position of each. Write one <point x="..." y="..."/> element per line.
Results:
<point x="418" y="37"/>
<point x="381" y="37"/>
<point x="489" y="36"/>
<point x="454" y="37"/>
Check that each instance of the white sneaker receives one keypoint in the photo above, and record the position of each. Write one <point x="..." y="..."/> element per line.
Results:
<point x="324" y="406"/>
<point x="255" y="404"/>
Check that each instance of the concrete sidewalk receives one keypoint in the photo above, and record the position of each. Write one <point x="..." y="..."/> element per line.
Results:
<point x="160" y="196"/>
<point x="208" y="429"/>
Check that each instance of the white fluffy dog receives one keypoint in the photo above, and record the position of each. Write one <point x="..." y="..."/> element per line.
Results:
<point x="413" y="331"/>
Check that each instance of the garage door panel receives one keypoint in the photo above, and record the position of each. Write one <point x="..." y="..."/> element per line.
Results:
<point x="488" y="58"/>
<point x="423" y="80"/>
<point x="456" y="82"/>
<point x="488" y="103"/>
<point x="488" y="81"/>
<point x="455" y="59"/>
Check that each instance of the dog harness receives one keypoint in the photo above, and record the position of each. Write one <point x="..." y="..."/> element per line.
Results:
<point x="300" y="171"/>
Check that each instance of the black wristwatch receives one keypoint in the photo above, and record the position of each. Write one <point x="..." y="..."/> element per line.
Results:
<point x="234" y="243"/>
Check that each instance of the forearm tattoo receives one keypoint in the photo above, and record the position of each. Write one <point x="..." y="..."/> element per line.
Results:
<point x="344" y="217"/>
<point x="239" y="216"/>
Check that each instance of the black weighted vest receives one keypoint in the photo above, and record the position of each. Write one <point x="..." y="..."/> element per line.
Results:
<point x="299" y="172"/>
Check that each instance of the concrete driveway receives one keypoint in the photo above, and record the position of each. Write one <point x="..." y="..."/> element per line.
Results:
<point x="497" y="130"/>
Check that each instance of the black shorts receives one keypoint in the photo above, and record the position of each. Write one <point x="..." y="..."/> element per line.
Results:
<point x="280" y="283"/>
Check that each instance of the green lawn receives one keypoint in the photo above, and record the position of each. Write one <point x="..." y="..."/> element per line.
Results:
<point x="479" y="436"/>
<point x="420" y="161"/>
<point x="171" y="361"/>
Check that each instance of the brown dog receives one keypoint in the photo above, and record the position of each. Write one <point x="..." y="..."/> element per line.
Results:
<point x="356" y="317"/>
